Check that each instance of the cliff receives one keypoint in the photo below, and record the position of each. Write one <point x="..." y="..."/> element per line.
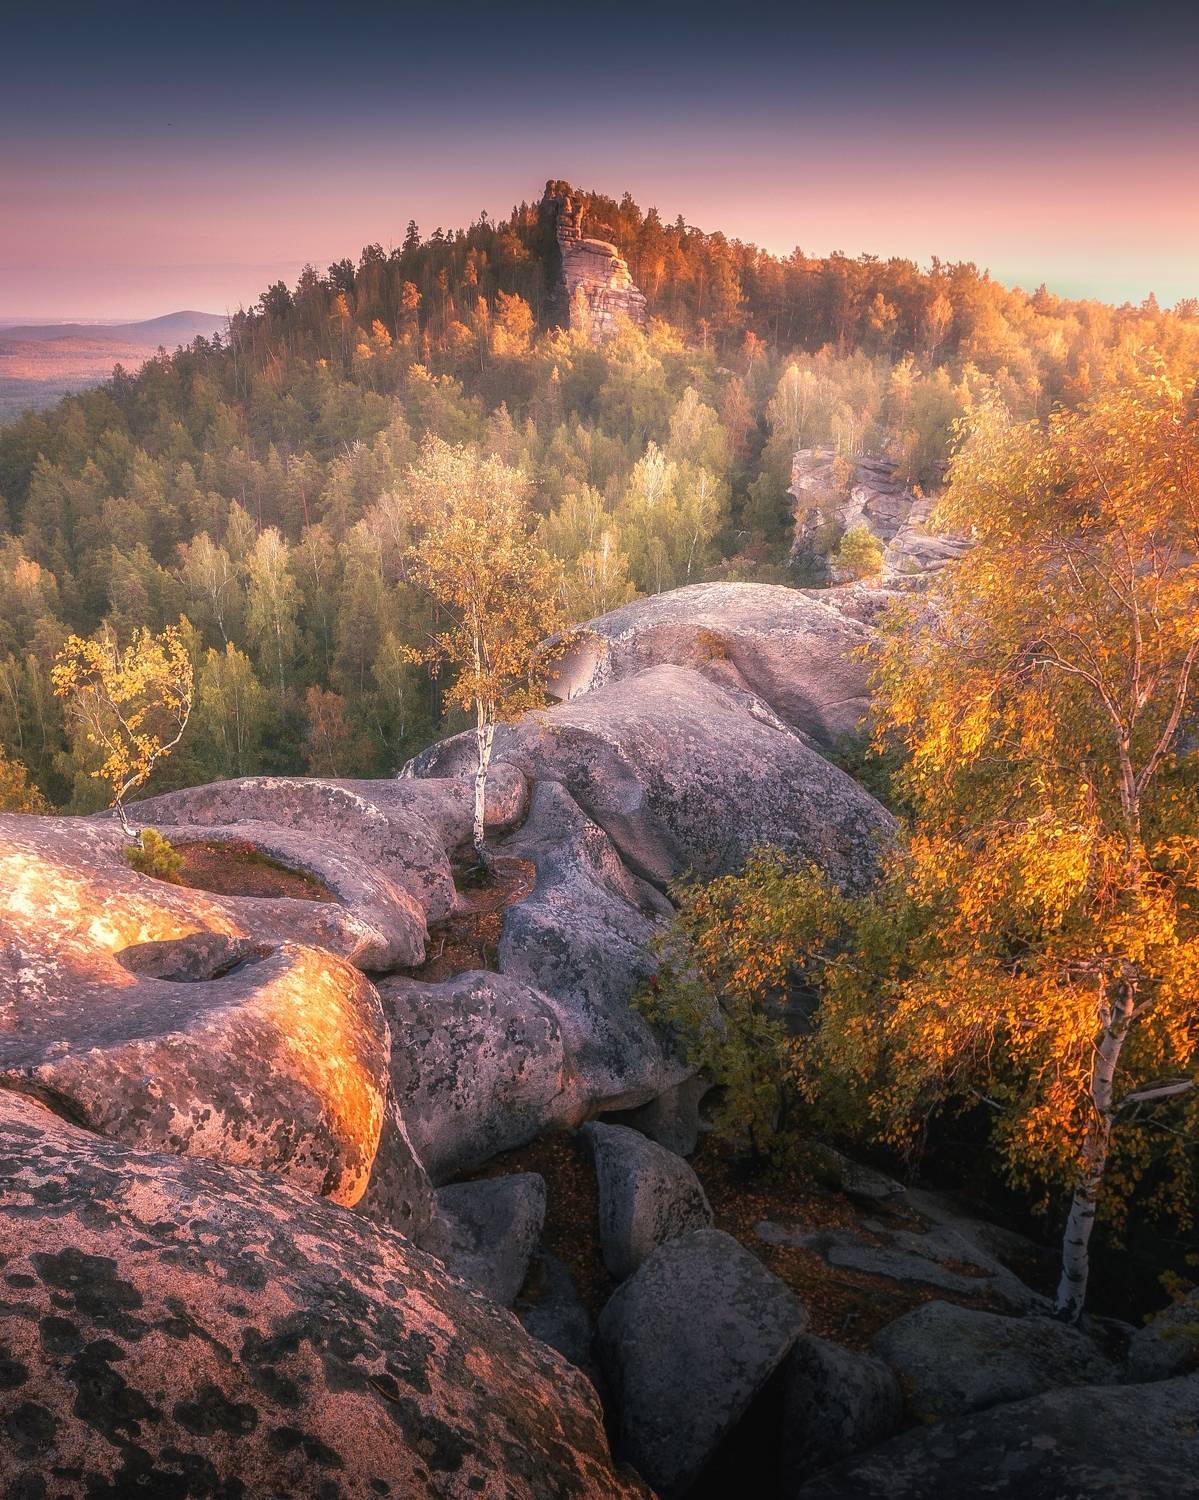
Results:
<point x="594" y="282"/>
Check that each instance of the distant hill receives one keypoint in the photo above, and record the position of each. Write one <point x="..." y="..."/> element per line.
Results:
<point x="170" y="329"/>
<point x="42" y="362"/>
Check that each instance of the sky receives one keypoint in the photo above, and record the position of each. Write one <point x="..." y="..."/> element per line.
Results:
<point x="178" y="155"/>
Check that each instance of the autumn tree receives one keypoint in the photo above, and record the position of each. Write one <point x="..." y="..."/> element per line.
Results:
<point x="497" y="593"/>
<point x="129" y="705"/>
<point x="1032" y="948"/>
<point x="17" y="792"/>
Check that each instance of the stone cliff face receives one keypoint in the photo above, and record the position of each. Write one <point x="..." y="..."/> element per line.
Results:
<point x="825" y="507"/>
<point x="595" y="284"/>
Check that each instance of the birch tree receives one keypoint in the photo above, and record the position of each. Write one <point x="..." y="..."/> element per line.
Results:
<point x="1049" y="710"/>
<point x="497" y="594"/>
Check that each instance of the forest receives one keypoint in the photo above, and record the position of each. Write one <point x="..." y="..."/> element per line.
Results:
<point x="256" y="491"/>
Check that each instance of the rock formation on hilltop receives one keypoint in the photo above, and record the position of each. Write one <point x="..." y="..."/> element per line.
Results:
<point x="594" y="280"/>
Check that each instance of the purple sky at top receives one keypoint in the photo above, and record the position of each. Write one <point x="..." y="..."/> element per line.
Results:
<point x="168" y="156"/>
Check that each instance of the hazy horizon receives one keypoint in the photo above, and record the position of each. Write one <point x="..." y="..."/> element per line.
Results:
<point x="200" y="156"/>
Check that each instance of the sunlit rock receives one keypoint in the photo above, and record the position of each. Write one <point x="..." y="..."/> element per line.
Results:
<point x="178" y="1327"/>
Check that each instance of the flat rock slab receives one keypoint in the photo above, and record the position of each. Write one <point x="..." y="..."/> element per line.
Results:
<point x="686" y="1343"/>
<point x="647" y="1195"/>
<point x="1094" y="1443"/>
<point x="951" y="1360"/>
<point x="176" y="1327"/>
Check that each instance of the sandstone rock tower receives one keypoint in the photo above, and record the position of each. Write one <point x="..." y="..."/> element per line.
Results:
<point x="593" y="272"/>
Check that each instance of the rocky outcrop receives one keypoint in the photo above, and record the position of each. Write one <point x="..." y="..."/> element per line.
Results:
<point x="1084" y="1443"/>
<point x="806" y="660"/>
<point x="831" y="498"/>
<point x="647" y="1195"/>
<point x="685" y="775"/>
<point x="489" y="1229"/>
<point x="176" y="1020"/>
<point x="177" y="1327"/>
<point x="687" y="1342"/>
<point x="951" y="1360"/>
<point x="595" y="288"/>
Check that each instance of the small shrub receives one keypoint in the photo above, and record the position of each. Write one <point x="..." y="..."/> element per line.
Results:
<point x="154" y="855"/>
<point x="859" y="553"/>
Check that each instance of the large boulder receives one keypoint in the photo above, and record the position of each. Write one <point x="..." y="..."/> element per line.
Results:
<point x="176" y="1020"/>
<point x="952" y="1359"/>
<point x="582" y="939"/>
<point x="1167" y="1345"/>
<point x="672" y="1118"/>
<point x="176" y="1327"/>
<point x="685" y="775"/>
<point x="802" y="658"/>
<point x="836" y="1402"/>
<point x="686" y="1343"/>
<point x="647" y="1195"/>
<point x="477" y="1065"/>
<point x="1094" y="1443"/>
<point x="550" y="1309"/>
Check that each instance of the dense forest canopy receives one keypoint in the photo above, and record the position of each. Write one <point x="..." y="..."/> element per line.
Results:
<point x="258" y="485"/>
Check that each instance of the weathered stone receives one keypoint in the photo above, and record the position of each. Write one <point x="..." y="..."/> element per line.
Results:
<point x="550" y="1309"/>
<point x="686" y="1343"/>
<point x="671" y="1118"/>
<point x="177" y="1020"/>
<point x="1094" y="1443"/>
<point x="647" y="1195"/>
<point x="581" y="938"/>
<point x="175" y="1327"/>
<point x="1167" y="1345"/>
<point x="685" y="775"/>
<point x="477" y="1065"/>
<point x="941" y="1256"/>
<point x="951" y="1360"/>
<point x="835" y="1403"/>
<point x="807" y="661"/>
<point x="402" y="832"/>
<point x="490" y="1229"/>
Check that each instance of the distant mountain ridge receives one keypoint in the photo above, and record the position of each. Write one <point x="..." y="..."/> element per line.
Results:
<point x="169" y="329"/>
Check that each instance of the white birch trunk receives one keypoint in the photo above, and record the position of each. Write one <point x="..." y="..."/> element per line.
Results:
<point x="485" y="737"/>
<point x="1076" y="1241"/>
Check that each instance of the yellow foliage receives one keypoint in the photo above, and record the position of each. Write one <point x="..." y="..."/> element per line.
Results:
<point x="131" y="704"/>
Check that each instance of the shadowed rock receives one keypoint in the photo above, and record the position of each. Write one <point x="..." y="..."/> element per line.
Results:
<point x="951" y="1360"/>
<point x="581" y="938"/>
<point x="175" y="1327"/>
<point x="1169" y="1345"/>
<point x="647" y="1195"/>
<point x="686" y="1343"/>
<point x="489" y="1230"/>
<point x="1086" y="1443"/>
<point x="836" y="1402"/>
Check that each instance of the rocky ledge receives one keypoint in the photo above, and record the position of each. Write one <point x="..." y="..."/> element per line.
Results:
<point x="241" y="1249"/>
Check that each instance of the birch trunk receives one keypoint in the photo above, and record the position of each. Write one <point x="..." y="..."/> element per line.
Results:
<point x="1076" y="1241"/>
<point x="485" y="737"/>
